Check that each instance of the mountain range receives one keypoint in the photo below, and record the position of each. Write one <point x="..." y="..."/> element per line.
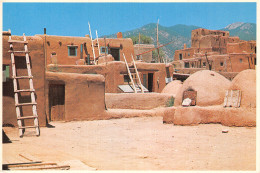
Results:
<point x="181" y="34"/>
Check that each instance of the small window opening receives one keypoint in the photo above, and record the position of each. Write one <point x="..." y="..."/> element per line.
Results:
<point x="72" y="50"/>
<point x="241" y="60"/>
<point x="221" y="63"/>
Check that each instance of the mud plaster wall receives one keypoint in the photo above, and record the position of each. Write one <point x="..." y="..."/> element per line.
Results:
<point x="210" y="87"/>
<point x="136" y="100"/>
<point x="35" y="46"/>
<point x="125" y="46"/>
<point x="242" y="47"/>
<point x="114" y="73"/>
<point x="140" y="48"/>
<point x="59" y="45"/>
<point x="84" y="95"/>
<point x="212" y="114"/>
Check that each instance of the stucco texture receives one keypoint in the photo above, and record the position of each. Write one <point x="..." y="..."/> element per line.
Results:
<point x="210" y="87"/>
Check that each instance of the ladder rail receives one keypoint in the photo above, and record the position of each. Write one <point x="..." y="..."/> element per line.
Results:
<point x="18" y="105"/>
<point x="17" y="109"/>
<point x="33" y="100"/>
<point x="129" y="74"/>
<point x="139" y="80"/>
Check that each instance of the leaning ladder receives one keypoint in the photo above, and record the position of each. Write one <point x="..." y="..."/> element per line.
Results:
<point x="137" y="87"/>
<point x="18" y="106"/>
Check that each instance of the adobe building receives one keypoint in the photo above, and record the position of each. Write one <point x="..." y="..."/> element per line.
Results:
<point x="66" y="50"/>
<point x="140" y="48"/>
<point x="215" y="50"/>
<point x="66" y="83"/>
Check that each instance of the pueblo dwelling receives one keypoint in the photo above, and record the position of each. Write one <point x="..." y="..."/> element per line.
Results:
<point x="215" y="50"/>
<point x="75" y="76"/>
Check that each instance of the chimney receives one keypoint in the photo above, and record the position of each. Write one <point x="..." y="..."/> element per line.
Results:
<point x="119" y="35"/>
<point x="184" y="46"/>
<point x="87" y="36"/>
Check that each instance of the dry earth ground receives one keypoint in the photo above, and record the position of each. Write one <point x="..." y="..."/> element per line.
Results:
<point x="143" y="143"/>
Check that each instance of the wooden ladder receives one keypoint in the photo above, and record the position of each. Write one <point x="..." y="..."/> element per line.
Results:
<point x="135" y="80"/>
<point x="17" y="92"/>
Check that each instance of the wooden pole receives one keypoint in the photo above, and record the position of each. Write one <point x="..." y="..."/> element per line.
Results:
<point x="98" y="44"/>
<point x="158" y="41"/>
<point x="92" y="43"/>
<point x="105" y="46"/>
<point x="139" y="41"/>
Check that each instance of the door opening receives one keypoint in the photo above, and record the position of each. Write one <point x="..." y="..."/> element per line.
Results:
<point x="150" y="82"/>
<point x="56" y="102"/>
<point x="115" y="52"/>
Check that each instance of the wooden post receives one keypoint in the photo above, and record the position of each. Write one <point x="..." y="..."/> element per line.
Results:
<point x="93" y="50"/>
<point x="98" y="43"/>
<point x="105" y="46"/>
<point x="158" y="41"/>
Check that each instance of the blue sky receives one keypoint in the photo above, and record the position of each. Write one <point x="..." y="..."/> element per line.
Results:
<point x="71" y="19"/>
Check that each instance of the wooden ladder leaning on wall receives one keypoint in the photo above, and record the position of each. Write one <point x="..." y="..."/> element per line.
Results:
<point x="18" y="91"/>
<point x="135" y="80"/>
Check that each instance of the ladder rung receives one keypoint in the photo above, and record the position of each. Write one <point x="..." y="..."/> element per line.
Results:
<point x="28" y="117"/>
<point x="25" y="104"/>
<point x="25" y="90"/>
<point x="18" y="51"/>
<point x="22" y="77"/>
<point x="24" y="127"/>
<point x="18" y="41"/>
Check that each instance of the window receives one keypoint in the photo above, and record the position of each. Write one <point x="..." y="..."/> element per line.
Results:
<point x="241" y="60"/>
<point x="180" y="56"/>
<point x="5" y="73"/>
<point x="204" y="64"/>
<point x="103" y="50"/>
<point x="188" y="54"/>
<point x="221" y="63"/>
<point x="72" y="50"/>
<point x="187" y="65"/>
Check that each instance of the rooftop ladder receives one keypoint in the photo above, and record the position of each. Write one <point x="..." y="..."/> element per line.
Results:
<point x="135" y="80"/>
<point x="17" y="92"/>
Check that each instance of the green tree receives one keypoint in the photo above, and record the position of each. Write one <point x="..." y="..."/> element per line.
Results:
<point x="143" y="39"/>
<point x="155" y="54"/>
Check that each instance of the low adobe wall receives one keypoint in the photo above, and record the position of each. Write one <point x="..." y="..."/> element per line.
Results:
<point x="84" y="95"/>
<point x="211" y="114"/>
<point x="142" y="101"/>
<point x="35" y="46"/>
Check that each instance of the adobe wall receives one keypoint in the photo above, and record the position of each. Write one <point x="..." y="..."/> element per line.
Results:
<point x="201" y="34"/>
<point x="114" y="73"/>
<point x="59" y="46"/>
<point x="38" y="71"/>
<point x="212" y="114"/>
<point x="140" y="48"/>
<point x="125" y="46"/>
<point x="186" y="54"/>
<point x="84" y="95"/>
<point x="242" y="47"/>
<point x="142" y="101"/>
<point x="242" y="61"/>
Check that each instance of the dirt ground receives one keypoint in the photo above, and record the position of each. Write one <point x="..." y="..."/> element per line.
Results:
<point x="141" y="143"/>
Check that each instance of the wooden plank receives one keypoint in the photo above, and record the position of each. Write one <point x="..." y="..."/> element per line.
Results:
<point x="18" y="41"/>
<point x="25" y="104"/>
<point x="30" y="164"/>
<point x="24" y="127"/>
<point x="64" y="167"/>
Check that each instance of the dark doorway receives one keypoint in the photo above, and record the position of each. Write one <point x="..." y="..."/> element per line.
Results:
<point x="150" y="82"/>
<point x="115" y="52"/>
<point x="56" y="102"/>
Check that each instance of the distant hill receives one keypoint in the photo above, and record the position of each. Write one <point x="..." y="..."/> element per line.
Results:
<point x="245" y="31"/>
<point x="181" y="34"/>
